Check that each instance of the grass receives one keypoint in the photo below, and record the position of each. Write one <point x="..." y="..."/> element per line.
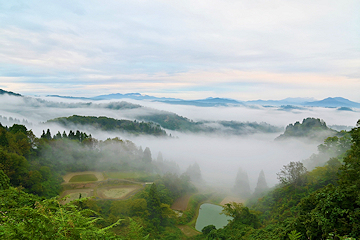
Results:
<point x="84" y="178"/>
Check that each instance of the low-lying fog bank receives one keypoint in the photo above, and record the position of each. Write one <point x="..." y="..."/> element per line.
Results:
<point x="219" y="157"/>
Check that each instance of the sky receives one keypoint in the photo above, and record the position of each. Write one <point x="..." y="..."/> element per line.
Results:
<point x="244" y="50"/>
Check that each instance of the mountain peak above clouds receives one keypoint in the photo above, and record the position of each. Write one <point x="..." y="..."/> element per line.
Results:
<point x="330" y="102"/>
<point x="135" y="96"/>
<point x="2" y="92"/>
<point x="333" y="102"/>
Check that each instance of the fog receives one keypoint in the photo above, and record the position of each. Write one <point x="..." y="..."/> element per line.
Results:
<point x="219" y="156"/>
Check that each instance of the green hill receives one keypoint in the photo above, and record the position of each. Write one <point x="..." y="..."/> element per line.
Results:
<point x="110" y="124"/>
<point x="173" y="121"/>
<point x="311" y="128"/>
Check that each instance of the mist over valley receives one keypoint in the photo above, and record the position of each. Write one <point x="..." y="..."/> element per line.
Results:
<point x="220" y="139"/>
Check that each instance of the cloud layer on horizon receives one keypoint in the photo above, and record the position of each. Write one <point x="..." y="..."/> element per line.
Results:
<point x="186" y="49"/>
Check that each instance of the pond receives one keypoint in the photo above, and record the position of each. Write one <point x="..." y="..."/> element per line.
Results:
<point x="209" y="214"/>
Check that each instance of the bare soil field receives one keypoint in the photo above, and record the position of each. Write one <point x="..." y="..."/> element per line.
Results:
<point x="181" y="203"/>
<point x="117" y="192"/>
<point x="98" y="175"/>
<point x="230" y="199"/>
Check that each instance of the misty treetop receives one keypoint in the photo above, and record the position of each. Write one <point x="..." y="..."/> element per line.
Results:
<point x="110" y="124"/>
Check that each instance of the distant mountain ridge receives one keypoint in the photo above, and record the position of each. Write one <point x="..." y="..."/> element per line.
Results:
<point x="333" y="102"/>
<point x="286" y="101"/>
<point x="330" y="102"/>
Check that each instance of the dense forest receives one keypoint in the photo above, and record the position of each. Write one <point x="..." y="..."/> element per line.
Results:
<point x="110" y="124"/>
<point x="310" y="128"/>
<point x="315" y="199"/>
<point x="173" y="121"/>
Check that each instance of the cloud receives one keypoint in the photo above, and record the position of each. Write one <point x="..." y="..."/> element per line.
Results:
<point x="175" y="45"/>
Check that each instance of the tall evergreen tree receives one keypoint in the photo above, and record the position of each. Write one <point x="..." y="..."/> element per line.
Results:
<point x="48" y="134"/>
<point x="64" y="134"/>
<point x="147" y="155"/>
<point x="261" y="185"/>
<point x="242" y="186"/>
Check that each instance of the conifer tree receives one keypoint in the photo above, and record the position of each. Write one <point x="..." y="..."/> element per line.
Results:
<point x="261" y="184"/>
<point x="147" y="155"/>
<point x="242" y="187"/>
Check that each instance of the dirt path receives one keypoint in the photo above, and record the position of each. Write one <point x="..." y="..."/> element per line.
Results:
<point x="188" y="231"/>
<point x="98" y="175"/>
<point x="181" y="203"/>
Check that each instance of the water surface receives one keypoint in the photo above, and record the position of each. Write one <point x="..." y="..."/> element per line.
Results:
<point x="209" y="214"/>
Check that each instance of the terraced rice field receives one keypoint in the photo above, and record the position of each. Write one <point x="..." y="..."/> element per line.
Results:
<point x="84" y="178"/>
<point x="97" y="184"/>
<point x="118" y="192"/>
<point x="77" y="175"/>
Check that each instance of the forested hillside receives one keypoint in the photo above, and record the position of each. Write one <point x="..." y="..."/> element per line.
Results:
<point x="110" y="124"/>
<point x="175" y="122"/>
<point x="30" y="181"/>
<point x="321" y="203"/>
<point x="310" y="128"/>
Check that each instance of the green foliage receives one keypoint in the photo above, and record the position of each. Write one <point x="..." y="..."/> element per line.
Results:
<point x="47" y="219"/>
<point x="241" y="214"/>
<point x="293" y="173"/>
<point x="294" y="235"/>
<point x="136" y="231"/>
<point x="154" y="206"/>
<point x="14" y="166"/>
<point x="4" y="181"/>
<point x="349" y="175"/>
<point x="207" y="229"/>
<point x="333" y="147"/>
